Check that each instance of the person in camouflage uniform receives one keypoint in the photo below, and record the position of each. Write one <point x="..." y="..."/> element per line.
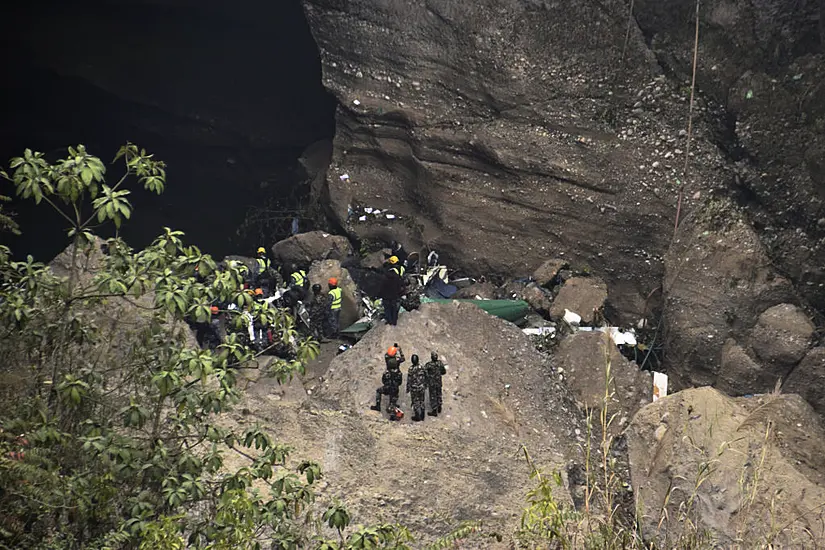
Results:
<point x="390" y="382"/>
<point x="435" y="370"/>
<point x="317" y="312"/>
<point x="416" y="386"/>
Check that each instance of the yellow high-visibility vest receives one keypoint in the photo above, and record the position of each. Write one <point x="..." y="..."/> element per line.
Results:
<point x="336" y="299"/>
<point x="399" y="270"/>
<point x="298" y="278"/>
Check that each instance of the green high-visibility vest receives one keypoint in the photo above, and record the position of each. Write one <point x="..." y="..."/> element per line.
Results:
<point x="336" y="298"/>
<point x="298" y="278"/>
<point x="399" y="270"/>
<point x="263" y="264"/>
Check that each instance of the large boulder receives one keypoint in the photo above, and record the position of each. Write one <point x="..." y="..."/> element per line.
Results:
<point x="808" y="379"/>
<point x="585" y="358"/>
<point x="305" y="248"/>
<point x="122" y="316"/>
<point x="582" y="295"/>
<point x="539" y="299"/>
<point x="718" y="281"/>
<point x="781" y="337"/>
<point x="485" y="291"/>
<point x="547" y="271"/>
<point x="320" y="272"/>
<point x="739" y="373"/>
<point x="498" y="394"/>
<point x="741" y="471"/>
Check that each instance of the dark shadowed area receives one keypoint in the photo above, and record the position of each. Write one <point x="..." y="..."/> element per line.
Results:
<point x="228" y="94"/>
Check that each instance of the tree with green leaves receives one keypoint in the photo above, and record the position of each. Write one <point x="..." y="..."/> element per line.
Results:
<point x="110" y="414"/>
<point x="111" y="438"/>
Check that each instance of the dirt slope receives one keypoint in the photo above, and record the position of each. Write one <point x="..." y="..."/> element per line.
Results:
<point x="499" y="393"/>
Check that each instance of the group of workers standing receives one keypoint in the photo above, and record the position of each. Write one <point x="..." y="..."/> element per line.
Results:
<point x="421" y="380"/>
<point x="262" y="282"/>
<point x="324" y="308"/>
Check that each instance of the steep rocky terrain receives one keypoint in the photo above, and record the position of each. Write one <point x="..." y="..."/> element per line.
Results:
<point x="762" y="61"/>
<point x="560" y="129"/>
<point x="734" y="471"/>
<point x="504" y="132"/>
<point x="499" y="394"/>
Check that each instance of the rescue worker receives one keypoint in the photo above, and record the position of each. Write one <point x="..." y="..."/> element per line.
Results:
<point x="392" y="290"/>
<point x="210" y="334"/>
<point x="334" y="299"/>
<point x="317" y="312"/>
<point x="394" y="357"/>
<point x="263" y="333"/>
<point x="435" y="370"/>
<point x="298" y="283"/>
<point x="265" y="277"/>
<point x="390" y="383"/>
<point x="416" y="385"/>
<point x="397" y="250"/>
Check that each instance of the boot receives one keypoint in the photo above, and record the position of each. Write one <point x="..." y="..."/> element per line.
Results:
<point x="377" y="406"/>
<point x="433" y="412"/>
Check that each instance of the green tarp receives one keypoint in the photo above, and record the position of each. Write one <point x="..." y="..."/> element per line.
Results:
<point x="509" y="310"/>
<point x="357" y="328"/>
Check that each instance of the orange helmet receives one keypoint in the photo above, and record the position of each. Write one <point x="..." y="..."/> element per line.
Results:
<point x="214" y="310"/>
<point x="333" y="281"/>
<point x="259" y="292"/>
<point x="392" y="351"/>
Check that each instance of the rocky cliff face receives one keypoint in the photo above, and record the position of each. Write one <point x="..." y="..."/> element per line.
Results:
<point x="763" y="62"/>
<point x="504" y="132"/>
<point x="508" y="131"/>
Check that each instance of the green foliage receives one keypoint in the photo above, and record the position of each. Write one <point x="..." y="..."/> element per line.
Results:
<point x="467" y="530"/>
<point x="546" y="523"/>
<point x="6" y="221"/>
<point x="113" y="439"/>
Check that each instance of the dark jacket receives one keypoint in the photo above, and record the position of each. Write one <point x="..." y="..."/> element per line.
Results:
<point x="392" y="379"/>
<point x="393" y="286"/>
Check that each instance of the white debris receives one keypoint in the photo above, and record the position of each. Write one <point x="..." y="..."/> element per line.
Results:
<point x="390" y="216"/>
<point x="362" y="219"/>
<point x="571" y="317"/>
<point x="368" y="210"/>
<point x="622" y="338"/>
<point x="376" y="211"/>
<point x="659" y="385"/>
<point x="539" y="331"/>
<point x="356" y="102"/>
<point x="345" y="177"/>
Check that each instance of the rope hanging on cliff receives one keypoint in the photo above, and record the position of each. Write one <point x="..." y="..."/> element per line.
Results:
<point x="690" y="121"/>
<point x="627" y="32"/>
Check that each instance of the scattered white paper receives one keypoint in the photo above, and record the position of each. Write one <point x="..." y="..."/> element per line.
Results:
<point x="390" y="216"/>
<point x="362" y="219"/>
<point x="368" y="210"/>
